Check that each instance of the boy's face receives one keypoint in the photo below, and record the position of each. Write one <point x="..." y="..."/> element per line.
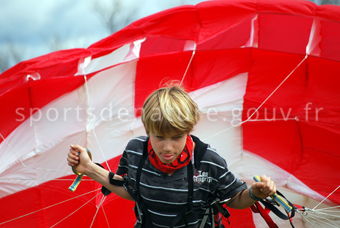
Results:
<point x="168" y="147"/>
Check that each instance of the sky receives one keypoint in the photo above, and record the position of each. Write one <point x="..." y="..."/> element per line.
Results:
<point x="35" y="27"/>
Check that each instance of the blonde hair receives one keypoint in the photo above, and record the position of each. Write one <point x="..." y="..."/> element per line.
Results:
<point x="169" y="109"/>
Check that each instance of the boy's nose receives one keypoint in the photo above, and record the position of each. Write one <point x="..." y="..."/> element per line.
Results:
<point x="167" y="147"/>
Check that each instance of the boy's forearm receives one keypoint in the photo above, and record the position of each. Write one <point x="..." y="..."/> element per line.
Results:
<point x="241" y="200"/>
<point x="100" y="175"/>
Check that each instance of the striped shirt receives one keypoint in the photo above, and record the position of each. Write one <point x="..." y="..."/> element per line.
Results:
<point x="164" y="195"/>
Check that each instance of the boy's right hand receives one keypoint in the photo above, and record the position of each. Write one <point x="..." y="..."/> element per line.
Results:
<point x="78" y="158"/>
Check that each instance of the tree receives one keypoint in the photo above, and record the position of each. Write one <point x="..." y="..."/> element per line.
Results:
<point x="10" y="55"/>
<point x="326" y="2"/>
<point x="112" y="15"/>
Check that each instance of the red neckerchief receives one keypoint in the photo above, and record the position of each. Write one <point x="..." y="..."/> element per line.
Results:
<point x="182" y="160"/>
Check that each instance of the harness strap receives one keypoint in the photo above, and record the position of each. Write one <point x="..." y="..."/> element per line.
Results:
<point x="275" y="210"/>
<point x="190" y="175"/>
<point x="139" y="171"/>
<point x="205" y="217"/>
<point x="270" y="206"/>
<point x="200" y="149"/>
<point x="212" y="217"/>
<point x="140" y="208"/>
<point x="257" y="208"/>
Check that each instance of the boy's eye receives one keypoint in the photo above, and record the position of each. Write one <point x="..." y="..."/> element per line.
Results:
<point x="178" y="136"/>
<point x="174" y="137"/>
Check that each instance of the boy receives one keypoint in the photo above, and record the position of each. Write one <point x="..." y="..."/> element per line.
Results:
<point x="173" y="177"/>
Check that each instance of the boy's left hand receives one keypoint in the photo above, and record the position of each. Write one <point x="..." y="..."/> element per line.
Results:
<point x="264" y="188"/>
